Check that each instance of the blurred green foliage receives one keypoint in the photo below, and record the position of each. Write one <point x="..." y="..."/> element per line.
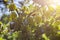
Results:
<point x="32" y="23"/>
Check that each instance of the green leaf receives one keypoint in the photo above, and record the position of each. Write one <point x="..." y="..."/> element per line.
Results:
<point x="1" y="38"/>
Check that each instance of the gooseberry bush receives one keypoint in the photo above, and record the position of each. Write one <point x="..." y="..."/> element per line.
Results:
<point x="30" y="23"/>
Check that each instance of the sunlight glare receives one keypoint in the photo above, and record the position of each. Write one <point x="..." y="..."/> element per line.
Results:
<point x="54" y="6"/>
<point x="57" y="2"/>
<point x="54" y="3"/>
